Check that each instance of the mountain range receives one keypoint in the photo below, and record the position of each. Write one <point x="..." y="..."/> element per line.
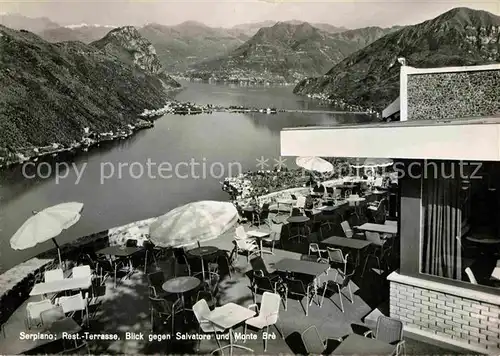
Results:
<point x="51" y="92"/>
<point x="181" y="46"/>
<point x="369" y="77"/>
<point x="288" y="52"/>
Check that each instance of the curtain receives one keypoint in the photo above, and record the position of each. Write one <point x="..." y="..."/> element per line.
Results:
<point x="441" y="246"/>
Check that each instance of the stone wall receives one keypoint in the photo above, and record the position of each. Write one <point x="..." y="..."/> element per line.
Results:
<point x="455" y="95"/>
<point x="455" y="319"/>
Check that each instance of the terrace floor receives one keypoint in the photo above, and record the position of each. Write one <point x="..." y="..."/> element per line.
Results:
<point x="126" y="309"/>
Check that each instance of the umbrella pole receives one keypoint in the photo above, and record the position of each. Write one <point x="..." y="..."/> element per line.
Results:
<point x="58" y="252"/>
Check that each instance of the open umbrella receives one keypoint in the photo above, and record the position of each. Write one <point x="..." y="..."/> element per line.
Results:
<point x="193" y="222"/>
<point x="314" y="164"/>
<point x="45" y="225"/>
<point x="371" y="162"/>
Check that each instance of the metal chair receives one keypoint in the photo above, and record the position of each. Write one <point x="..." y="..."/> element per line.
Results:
<point x="267" y="316"/>
<point x="263" y="214"/>
<point x="164" y="309"/>
<point x="181" y="260"/>
<point x="336" y="258"/>
<point x="377" y="249"/>
<point x="150" y="251"/>
<point x="296" y="287"/>
<point x="261" y="283"/>
<point x="313" y="342"/>
<point x="389" y="330"/>
<point x="349" y="233"/>
<point x="314" y="248"/>
<point x="274" y="236"/>
<point x="156" y="281"/>
<point x="258" y="264"/>
<point x="247" y="246"/>
<point x="339" y="287"/>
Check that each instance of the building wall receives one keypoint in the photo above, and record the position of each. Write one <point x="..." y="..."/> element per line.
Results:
<point x="451" y="311"/>
<point x="450" y="317"/>
<point x="453" y="95"/>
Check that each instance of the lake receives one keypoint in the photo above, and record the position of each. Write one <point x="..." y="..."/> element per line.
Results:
<point x="182" y="159"/>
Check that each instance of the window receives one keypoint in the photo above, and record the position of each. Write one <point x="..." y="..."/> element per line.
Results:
<point x="460" y="224"/>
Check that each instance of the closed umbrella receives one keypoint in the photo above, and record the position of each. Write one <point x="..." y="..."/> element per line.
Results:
<point x="193" y="222"/>
<point x="316" y="164"/>
<point x="45" y="225"/>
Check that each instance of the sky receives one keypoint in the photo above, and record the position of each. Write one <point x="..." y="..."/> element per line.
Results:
<point x="227" y="13"/>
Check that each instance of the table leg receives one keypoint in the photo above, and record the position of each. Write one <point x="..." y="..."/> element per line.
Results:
<point x="202" y="269"/>
<point x="232" y="345"/>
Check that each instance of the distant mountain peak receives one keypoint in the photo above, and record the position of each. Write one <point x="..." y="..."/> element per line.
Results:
<point x="127" y="44"/>
<point x="89" y="25"/>
<point x="191" y="23"/>
<point x="369" y="78"/>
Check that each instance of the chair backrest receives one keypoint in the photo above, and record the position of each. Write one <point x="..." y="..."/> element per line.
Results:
<point x="276" y="230"/>
<point x="51" y="315"/>
<point x="161" y="305"/>
<point x="389" y="330"/>
<point x="312" y="341"/>
<point x="243" y="245"/>
<point x="156" y="279"/>
<point x="81" y="272"/>
<point x="296" y="212"/>
<point x="148" y="245"/>
<point x="270" y="307"/>
<point x="54" y="275"/>
<point x="373" y="237"/>
<point x="224" y="264"/>
<point x="336" y="255"/>
<point x="131" y="243"/>
<point x="262" y="282"/>
<point x="33" y="309"/>
<point x="258" y="264"/>
<point x="301" y="202"/>
<point x="74" y="302"/>
<point x="240" y="232"/>
<point x="201" y="310"/>
<point x="346" y="278"/>
<point x="313" y="247"/>
<point x="471" y="276"/>
<point x="346" y="228"/>
<point x="295" y="286"/>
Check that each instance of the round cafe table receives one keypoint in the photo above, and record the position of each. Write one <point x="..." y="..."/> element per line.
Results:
<point x="301" y="221"/>
<point x="202" y="252"/>
<point x="181" y="285"/>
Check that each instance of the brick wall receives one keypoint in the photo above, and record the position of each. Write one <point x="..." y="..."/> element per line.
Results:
<point x="449" y="316"/>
